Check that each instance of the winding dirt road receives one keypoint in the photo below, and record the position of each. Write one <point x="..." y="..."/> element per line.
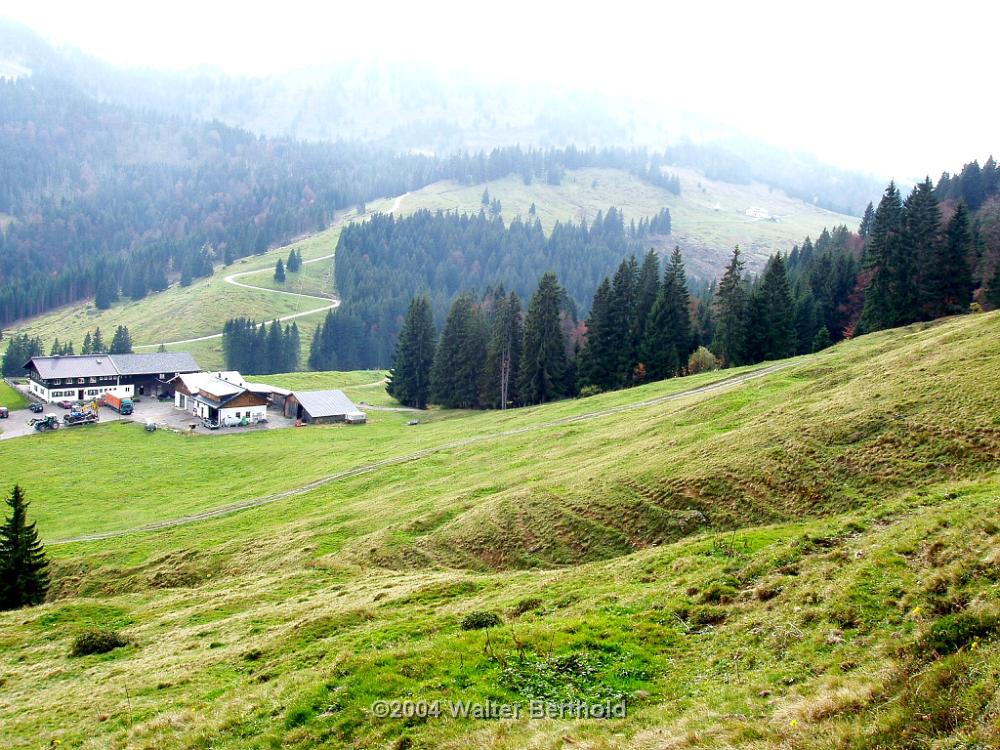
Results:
<point x="330" y="303"/>
<point x="256" y="502"/>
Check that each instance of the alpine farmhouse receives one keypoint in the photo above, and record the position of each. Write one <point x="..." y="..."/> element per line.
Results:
<point x="90" y="376"/>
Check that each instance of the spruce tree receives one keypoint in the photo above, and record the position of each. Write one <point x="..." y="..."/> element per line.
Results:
<point x="410" y="377"/>
<point x="274" y="353"/>
<point x="544" y="363"/>
<point x="822" y="340"/>
<point x="731" y="308"/>
<point x="919" y="277"/>
<point x="647" y="289"/>
<point x="668" y="338"/>
<point x="456" y="374"/>
<point x="597" y="363"/>
<point x="23" y="566"/>
<point x="867" y="221"/>
<point x="97" y="343"/>
<point x="503" y="357"/>
<point x="279" y="271"/>
<point x="88" y="344"/>
<point x="881" y="262"/>
<point x="121" y="343"/>
<point x="993" y="288"/>
<point x="776" y="332"/>
<point x="954" y="292"/>
<point x="621" y="320"/>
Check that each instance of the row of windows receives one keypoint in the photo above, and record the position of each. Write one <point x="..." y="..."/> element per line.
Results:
<point x="73" y="394"/>
<point x="81" y="381"/>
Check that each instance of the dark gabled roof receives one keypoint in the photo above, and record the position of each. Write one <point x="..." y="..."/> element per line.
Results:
<point x="96" y="365"/>
<point x="155" y="363"/>
<point x="78" y="366"/>
<point x="325" y="403"/>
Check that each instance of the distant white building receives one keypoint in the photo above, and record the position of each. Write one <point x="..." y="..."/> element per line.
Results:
<point x="223" y="396"/>
<point x="756" y="212"/>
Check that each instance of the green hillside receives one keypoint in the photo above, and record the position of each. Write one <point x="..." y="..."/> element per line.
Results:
<point x="202" y="309"/>
<point x="708" y="219"/>
<point x="805" y="559"/>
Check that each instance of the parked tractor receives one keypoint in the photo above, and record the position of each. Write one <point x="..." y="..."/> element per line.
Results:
<point x="48" y="422"/>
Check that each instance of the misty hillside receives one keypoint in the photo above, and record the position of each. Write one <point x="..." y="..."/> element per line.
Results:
<point x="417" y="107"/>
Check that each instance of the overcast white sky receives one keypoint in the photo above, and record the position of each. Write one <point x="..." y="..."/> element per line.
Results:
<point x="860" y="84"/>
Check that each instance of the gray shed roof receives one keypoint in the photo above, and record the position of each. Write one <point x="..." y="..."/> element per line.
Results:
<point x="154" y="363"/>
<point x="79" y="366"/>
<point x="325" y="403"/>
<point x="95" y="365"/>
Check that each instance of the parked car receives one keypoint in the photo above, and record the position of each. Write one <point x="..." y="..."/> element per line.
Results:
<point x="36" y="407"/>
<point x="4" y="412"/>
<point x="65" y="404"/>
<point x="212" y="424"/>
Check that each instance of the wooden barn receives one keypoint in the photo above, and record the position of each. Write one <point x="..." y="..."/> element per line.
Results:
<point x="219" y="396"/>
<point x="319" y="407"/>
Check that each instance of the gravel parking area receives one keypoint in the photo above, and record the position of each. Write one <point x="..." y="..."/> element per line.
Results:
<point x="163" y="413"/>
<point x="166" y="415"/>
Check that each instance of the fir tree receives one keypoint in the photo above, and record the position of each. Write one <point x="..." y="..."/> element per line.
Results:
<point x="88" y="344"/>
<point x="503" y="357"/>
<point x="919" y="276"/>
<point x="647" y="289"/>
<point x="881" y="262"/>
<point x="542" y="376"/>
<point x="867" y="222"/>
<point x="953" y="292"/>
<point x="20" y="349"/>
<point x="97" y="343"/>
<point x="457" y="372"/>
<point x="993" y="288"/>
<point x="105" y="293"/>
<point x="667" y="342"/>
<point x="410" y="377"/>
<point x="776" y="332"/>
<point x="121" y="343"/>
<point x="621" y="320"/>
<point x="279" y="271"/>
<point x="23" y="567"/>
<point x="597" y="363"/>
<point x="731" y="307"/>
<point x="822" y="340"/>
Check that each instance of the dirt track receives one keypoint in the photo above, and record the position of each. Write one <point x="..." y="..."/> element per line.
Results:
<point x="368" y="468"/>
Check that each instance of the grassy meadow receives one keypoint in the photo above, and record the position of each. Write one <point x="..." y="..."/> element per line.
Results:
<point x="807" y="560"/>
<point x="708" y="216"/>
<point x="11" y="398"/>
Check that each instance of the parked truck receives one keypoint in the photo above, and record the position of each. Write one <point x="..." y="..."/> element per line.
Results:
<point x="121" y="404"/>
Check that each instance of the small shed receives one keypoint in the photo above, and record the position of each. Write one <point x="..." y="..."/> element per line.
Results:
<point x="319" y="407"/>
<point x="275" y="396"/>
